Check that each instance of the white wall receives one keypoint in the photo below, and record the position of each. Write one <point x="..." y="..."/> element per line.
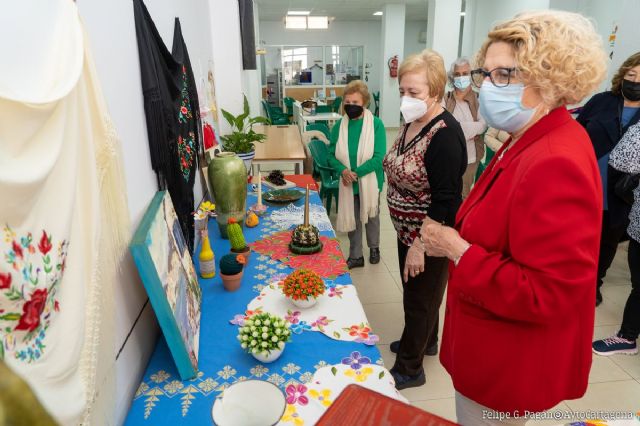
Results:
<point x="365" y="33"/>
<point x="412" y="30"/>
<point x="607" y="14"/>
<point x="393" y="22"/>
<point x="486" y="13"/>
<point x="111" y="30"/>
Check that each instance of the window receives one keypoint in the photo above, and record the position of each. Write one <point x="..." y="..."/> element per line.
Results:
<point x="294" y="60"/>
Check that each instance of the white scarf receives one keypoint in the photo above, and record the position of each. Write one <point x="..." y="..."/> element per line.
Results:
<point x="63" y="216"/>
<point x="368" y="185"/>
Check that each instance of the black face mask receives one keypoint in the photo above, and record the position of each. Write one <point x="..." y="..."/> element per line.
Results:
<point x="353" y="111"/>
<point x="631" y="90"/>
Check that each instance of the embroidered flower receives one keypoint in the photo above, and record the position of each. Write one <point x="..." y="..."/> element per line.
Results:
<point x="208" y="384"/>
<point x="173" y="387"/>
<point x="335" y="292"/>
<point x="5" y="280"/>
<point x="160" y="376"/>
<point x="45" y="243"/>
<point x="227" y="372"/>
<point x="31" y="311"/>
<point x="300" y="327"/>
<point x="320" y="322"/>
<point x="276" y="379"/>
<point x="360" y="331"/>
<point x="296" y="394"/>
<point x="239" y="319"/>
<point x="292" y="317"/>
<point x="291" y="368"/>
<point x="259" y="370"/>
<point x="359" y="375"/>
<point x="291" y="416"/>
<point x="371" y="340"/>
<point x="17" y="250"/>
<point x="356" y="360"/>
<point x="322" y="396"/>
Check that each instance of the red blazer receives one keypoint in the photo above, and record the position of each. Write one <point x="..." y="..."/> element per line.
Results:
<point x="521" y="302"/>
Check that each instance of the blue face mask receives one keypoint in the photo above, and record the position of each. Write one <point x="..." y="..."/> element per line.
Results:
<point x="502" y="107"/>
<point x="462" y="82"/>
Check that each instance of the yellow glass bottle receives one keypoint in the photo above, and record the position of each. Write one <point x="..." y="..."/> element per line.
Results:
<point x="207" y="259"/>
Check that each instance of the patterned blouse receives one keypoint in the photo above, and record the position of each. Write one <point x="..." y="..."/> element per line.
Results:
<point x="422" y="183"/>
<point x="625" y="157"/>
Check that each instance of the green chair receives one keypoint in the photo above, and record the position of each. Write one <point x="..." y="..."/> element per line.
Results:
<point x="276" y="117"/>
<point x="289" y="101"/>
<point x="376" y="102"/>
<point x="335" y="106"/>
<point x="323" y="108"/>
<point x="329" y="180"/>
<point x="322" y="127"/>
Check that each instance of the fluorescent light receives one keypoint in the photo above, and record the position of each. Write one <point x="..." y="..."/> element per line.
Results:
<point x="318" y="22"/>
<point x="463" y="13"/>
<point x="298" y="12"/>
<point x="295" y="22"/>
<point x="378" y="13"/>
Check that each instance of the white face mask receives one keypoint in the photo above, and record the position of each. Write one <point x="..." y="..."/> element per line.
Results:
<point x="412" y="108"/>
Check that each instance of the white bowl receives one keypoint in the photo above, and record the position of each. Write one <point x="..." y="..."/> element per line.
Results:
<point x="304" y="304"/>
<point x="270" y="357"/>
<point x="249" y="403"/>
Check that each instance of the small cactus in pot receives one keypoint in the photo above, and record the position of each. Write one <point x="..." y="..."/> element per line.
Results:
<point x="230" y="268"/>
<point x="236" y="238"/>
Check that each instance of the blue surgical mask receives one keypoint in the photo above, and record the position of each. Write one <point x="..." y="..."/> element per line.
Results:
<point x="462" y="82"/>
<point x="502" y="107"/>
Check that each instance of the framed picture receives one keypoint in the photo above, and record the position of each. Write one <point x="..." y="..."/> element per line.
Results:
<point x="167" y="272"/>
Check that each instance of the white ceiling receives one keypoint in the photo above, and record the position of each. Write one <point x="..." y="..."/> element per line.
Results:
<point x="341" y="10"/>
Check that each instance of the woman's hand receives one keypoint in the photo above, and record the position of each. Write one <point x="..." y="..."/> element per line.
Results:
<point x="348" y="177"/>
<point x="442" y="241"/>
<point x="414" y="263"/>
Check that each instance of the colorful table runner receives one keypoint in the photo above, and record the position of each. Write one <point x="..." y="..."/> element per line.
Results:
<point x="162" y="398"/>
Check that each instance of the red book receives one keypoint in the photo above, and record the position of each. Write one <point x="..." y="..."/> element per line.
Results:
<point x="358" y="406"/>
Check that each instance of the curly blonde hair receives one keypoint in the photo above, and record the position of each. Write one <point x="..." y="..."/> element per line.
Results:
<point x="616" y="82"/>
<point x="558" y="52"/>
<point x="358" y="86"/>
<point x="431" y="63"/>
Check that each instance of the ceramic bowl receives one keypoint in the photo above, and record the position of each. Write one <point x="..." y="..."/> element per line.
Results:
<point x="249" y="403"/>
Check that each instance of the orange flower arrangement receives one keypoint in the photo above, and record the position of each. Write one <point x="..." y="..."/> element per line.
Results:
<point x="303" y="284"/>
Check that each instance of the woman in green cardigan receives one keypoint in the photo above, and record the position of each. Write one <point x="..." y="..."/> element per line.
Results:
<point x="358" y="145"/>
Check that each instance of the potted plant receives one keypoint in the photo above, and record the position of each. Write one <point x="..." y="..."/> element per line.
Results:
<point x="303" y="287"/>
<point x="243" y="137"/>
<point x="264" y="336"/>
<point x="231" y="266"/>
<point x="236" y="238"/>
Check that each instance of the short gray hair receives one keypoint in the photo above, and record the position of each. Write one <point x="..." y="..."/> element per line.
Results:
<point x="463" y="60"/>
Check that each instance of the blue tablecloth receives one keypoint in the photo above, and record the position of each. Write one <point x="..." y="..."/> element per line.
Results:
<point x="162" y="398"/>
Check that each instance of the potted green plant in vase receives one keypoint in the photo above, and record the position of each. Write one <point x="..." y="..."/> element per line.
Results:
<point x="243" y="138"/>
<point x="264" y="336"/>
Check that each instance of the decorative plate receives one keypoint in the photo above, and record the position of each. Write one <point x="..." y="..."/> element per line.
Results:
<point x="282" y="196"/>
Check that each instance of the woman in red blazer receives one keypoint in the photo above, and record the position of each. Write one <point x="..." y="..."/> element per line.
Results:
<point x="520" y="305"/>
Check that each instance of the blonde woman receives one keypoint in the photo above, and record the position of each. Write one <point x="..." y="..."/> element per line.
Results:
<point x="358" y="144"/>
<point x="524" y="248"/>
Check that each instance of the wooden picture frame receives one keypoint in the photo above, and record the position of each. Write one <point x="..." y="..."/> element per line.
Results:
<point x="165" y="266"/>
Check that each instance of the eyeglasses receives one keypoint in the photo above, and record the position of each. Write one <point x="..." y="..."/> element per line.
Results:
<point x="500" y="77"/>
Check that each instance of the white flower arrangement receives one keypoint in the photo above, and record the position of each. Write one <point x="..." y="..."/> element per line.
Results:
<point x="263" y="333"/>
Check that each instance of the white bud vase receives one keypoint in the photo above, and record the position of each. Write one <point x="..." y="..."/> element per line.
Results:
<point x="270" y="357"/>
<point x="304" y="304"/>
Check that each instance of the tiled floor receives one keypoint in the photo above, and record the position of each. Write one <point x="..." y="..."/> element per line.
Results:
<point x="614" y="383"/>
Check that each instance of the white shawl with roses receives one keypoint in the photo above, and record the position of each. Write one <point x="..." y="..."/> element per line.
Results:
<point x="63" y="214"/>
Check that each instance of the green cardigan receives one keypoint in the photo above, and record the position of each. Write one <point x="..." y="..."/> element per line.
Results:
<point x="372" y="165"/>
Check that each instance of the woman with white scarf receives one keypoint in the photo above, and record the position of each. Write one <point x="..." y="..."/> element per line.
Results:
<point x="358" y="145"/>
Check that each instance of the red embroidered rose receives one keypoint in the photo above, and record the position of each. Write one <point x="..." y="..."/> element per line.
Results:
<point x="5" y="280"/>
<point x="45" y="243"/>
<point x="17" y="249"/>
<point x="31" y="311"/>
<point x="183" y="110"/>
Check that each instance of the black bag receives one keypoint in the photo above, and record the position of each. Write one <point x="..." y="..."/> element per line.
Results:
<point x="626" y="185"/>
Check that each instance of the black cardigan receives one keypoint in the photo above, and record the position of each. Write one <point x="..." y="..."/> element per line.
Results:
<point x="601" y="117"/>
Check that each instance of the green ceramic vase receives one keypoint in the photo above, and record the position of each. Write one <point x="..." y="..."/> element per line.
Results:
<point x="228" y="186"/>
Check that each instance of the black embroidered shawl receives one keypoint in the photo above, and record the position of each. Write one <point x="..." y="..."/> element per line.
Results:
<point x="172" y="113"/>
